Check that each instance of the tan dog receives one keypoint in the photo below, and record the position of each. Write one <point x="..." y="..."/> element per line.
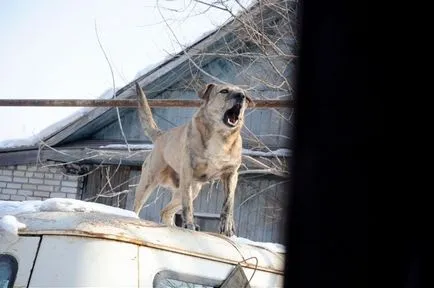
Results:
<point x="186" y="157"/>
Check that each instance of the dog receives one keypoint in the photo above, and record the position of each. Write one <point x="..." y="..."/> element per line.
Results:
<point x="186" y="157"/>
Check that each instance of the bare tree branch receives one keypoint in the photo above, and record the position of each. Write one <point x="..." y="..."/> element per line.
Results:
<point x="114" y="86"/>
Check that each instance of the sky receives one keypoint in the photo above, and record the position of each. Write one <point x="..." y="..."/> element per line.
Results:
<point x="49" y="49"/>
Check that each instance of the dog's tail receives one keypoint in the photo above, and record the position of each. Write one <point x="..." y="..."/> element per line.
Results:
<point x="148" y="123"/>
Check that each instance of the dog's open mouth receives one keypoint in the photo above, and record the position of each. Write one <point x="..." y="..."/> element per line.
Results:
<point x="231" y="116"/>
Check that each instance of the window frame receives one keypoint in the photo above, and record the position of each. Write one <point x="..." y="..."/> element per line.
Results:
<point x="188" y="278"/>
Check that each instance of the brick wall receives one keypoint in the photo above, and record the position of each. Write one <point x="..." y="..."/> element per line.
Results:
<point x="33" y="182"/>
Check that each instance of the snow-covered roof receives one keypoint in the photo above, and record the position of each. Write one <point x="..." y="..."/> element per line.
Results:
<point x="52" y="129"/>
<point x="58" y="216"/>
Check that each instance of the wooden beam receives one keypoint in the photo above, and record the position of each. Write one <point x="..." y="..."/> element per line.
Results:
<point x="18" y="157"/>
<point x="123" y="157"/>
<point x="103" y="157"/>
<point x="91" y="156"/>
<point x="127" y="103"/>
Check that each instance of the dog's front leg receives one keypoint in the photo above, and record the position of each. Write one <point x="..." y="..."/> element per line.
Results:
<point x="185" y="186"/>
<point x="187" y="208"/>
<point x="227" y="226"/>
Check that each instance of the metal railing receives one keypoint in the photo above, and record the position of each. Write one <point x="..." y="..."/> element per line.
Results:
<point x="127" y="103"/>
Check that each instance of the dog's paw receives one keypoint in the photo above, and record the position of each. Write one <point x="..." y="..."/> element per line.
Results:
<point x="191" y="226"/>
<point x="227" y="226"/>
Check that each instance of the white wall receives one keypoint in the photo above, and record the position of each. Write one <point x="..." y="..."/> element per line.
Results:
<point x="38" y="182"/>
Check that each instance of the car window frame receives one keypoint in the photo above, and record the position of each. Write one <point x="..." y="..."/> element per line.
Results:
<point x="13" y="263"/>
<point x="188" y="278"/>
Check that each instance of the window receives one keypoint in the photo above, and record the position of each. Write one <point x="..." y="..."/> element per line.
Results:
<point x="8" y="270"/>
<point x="179" y="284"/>
<point x="171" y="279"/>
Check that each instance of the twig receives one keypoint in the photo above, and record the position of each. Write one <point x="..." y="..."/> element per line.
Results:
<point x="185" y="51"/>
<point x="108" y="178"/>
<point x="260" y="192"/>
<point x="114" y="86"/>
<point x="110" y="195"/>
<point x="282" y="174"/>
<point x="156" y="198"/>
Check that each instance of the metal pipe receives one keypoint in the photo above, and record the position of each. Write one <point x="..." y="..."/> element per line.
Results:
<point x="128" y="103"/>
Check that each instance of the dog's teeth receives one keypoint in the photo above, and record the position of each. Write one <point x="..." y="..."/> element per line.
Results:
<point x="232" y="123"/>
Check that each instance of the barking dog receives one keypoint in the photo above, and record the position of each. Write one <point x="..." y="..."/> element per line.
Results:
<point x="186" y="157"/>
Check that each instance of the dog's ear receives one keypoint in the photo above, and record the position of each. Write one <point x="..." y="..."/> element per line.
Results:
<point x="251" y="104"/>
<point x="204" y="93"/>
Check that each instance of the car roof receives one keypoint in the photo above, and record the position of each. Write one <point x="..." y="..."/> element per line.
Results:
<point x="206" y="245"/>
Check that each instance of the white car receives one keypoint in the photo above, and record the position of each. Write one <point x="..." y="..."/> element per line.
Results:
<point x="93" y="249"/>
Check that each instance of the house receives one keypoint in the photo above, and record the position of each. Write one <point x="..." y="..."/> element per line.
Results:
<point x="94" y="155"/>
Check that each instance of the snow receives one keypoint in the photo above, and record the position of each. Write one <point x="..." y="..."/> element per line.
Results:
<point x="46" y="132"/>
<point x="14" y="143"/>
<point x="274" y="247"/>
<point x="60" y="205"/>
<point x="9" y="226"/>
<point x="132" y="146"/>
<point x="279" y="152"/>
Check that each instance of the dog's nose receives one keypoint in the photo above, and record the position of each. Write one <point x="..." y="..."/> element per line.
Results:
<point x="239" y="96"/>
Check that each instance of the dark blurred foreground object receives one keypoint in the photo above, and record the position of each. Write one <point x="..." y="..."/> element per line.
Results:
<point x="327" y="232"/>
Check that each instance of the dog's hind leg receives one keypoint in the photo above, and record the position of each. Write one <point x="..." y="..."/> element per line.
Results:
<point x="148" y="181"/>
<point x="145" y="188"/>
<point x="168" y="213"/>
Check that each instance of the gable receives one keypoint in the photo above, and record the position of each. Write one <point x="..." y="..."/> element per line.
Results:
<point x="268" y="125"/>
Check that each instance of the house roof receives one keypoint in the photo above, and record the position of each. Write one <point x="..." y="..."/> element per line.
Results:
<point x="154" y="80"/>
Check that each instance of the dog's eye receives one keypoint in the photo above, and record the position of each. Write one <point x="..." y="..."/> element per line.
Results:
<point x="224" y="91"/>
